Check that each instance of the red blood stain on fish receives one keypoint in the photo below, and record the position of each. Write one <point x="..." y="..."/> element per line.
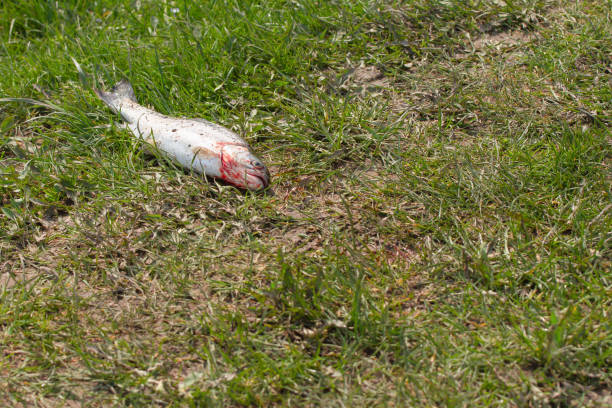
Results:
<point x="228" y="169"/>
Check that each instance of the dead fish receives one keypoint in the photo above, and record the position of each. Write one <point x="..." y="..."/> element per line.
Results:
<point x="195" y="144"/>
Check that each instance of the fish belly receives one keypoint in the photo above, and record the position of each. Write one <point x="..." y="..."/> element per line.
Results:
<point x="184" y="147"/>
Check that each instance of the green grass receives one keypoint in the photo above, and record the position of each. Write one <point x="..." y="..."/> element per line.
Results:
<point x="438" y="231"/>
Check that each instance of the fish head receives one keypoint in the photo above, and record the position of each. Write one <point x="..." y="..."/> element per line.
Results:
<point x="240" y="167"/>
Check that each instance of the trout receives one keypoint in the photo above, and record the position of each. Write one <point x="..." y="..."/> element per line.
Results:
<point x="195" y="144"/>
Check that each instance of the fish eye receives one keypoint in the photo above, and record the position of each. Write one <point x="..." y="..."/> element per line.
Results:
<point x="256" y="163"/>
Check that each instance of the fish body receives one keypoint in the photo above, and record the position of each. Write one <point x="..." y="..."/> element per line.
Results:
<point x="195" y="144"/>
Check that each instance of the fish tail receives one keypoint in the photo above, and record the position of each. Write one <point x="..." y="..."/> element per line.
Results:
<point x="121" y="91"/>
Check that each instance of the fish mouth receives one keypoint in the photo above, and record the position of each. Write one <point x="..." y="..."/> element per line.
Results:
<point x="257" y="181"/>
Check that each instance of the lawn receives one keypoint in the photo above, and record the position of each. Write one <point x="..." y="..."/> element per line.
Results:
<point x="438" y="231"/>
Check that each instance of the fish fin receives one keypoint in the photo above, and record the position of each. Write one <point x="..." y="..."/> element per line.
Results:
<point x="121" y="91"/>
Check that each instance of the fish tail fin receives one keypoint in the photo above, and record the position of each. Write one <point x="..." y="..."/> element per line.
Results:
<point x="121" y="91"/>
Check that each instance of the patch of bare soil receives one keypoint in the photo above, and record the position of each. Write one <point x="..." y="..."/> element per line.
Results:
<point x="359" y="80"/>
<point x="12" y="277"/>
<point x="501" y="40"/>
<point x="369" y="76"/>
